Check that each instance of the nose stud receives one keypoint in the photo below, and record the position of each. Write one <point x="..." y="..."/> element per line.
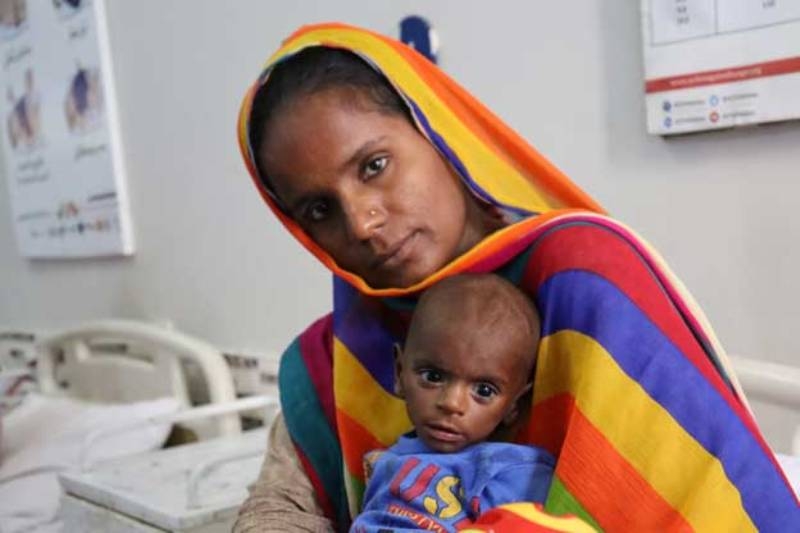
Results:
<point x="373" y="212"/>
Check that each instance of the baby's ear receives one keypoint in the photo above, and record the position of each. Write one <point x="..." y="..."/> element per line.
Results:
<point x="516" y="407"/>
<point x="397" y="351"/>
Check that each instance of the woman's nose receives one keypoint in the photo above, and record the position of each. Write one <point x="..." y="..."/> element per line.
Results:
<point x="452" y="399"/>
<point x="364" y="218"/>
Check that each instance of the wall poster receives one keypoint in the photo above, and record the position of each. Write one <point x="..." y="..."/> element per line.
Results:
<point x="60" y="132"/>
<point x="719" y="63"/>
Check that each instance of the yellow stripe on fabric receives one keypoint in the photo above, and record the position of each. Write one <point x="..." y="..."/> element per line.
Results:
<point x="478" y="157"/>
<point x="528" y="511"/>
<point x="657" y="447"/>
<point x="364" y="400"/>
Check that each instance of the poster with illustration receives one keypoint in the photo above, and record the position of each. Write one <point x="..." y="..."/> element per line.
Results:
<point x="60" y="135"/>
<point x="717" y="64"/>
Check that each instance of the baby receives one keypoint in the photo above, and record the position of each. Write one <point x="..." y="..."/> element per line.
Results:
<point x="465" y="373"/>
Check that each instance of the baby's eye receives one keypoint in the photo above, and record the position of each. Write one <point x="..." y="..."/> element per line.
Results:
<point x="317" y="211"/>
<point x="375" y="166"/>
<point x="485" y="390"/>
<point x="431" y="375"/>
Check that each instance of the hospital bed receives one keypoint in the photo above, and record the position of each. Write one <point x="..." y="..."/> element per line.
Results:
<point x="110" y="391"/>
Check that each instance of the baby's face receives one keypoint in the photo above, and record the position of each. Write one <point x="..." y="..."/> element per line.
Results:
<point x="461" y="382"/>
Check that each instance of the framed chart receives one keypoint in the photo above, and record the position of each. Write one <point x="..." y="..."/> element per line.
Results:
<point x="716" y="64"/>
<point x="60" y="134"/>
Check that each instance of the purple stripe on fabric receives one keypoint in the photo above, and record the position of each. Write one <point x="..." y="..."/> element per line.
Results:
<point x="357" y="324"/>
<point x="584" y="302"/>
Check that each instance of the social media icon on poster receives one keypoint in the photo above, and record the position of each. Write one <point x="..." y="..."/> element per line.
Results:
<point x="666" y="106"/>
<point x="714" y="100"/>
<point x="668" y="122"/>
<point x="713" y="117"/>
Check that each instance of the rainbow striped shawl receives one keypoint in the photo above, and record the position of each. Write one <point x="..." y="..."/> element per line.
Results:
<point x="632" y="392"/>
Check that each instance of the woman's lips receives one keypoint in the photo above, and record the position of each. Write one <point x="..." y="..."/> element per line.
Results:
<point x="398" y="254"/>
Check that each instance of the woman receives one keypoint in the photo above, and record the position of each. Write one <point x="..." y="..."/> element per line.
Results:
<point x="395" y="177"/>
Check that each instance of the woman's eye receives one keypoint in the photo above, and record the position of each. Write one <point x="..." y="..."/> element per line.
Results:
<point x="317" y="211"/>
<point x="375" y="166"/>
<point x="431" y="376"/>
<point x="485" y="390"/>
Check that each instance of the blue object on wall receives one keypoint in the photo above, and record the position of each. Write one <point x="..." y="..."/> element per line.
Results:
<point x="417" y="33"/>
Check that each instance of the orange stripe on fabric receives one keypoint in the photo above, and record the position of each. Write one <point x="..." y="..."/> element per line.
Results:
<point x="588" y="460"/>
<point x="359" y="442"/>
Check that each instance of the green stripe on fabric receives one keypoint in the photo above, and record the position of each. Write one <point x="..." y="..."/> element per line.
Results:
<point x="309" y="428"/>
<point x="357" y="488"/>
<point x="561" y="502"/>
<point x="513" y="270"/>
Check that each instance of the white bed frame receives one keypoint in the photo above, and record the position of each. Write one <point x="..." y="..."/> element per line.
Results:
<point x="773" y="383"/>
<point x="119" y="361"/>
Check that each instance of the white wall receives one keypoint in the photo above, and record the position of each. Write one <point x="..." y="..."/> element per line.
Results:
<point x="567" y="75"/>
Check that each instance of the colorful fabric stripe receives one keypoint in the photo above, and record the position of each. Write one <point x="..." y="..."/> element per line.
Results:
<point x="525" y="517"/>
<point x="314" y="435"/>
<point x="632" y="392"/>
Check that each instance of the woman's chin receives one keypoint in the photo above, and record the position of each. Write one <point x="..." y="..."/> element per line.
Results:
<point x="396" y="280"/>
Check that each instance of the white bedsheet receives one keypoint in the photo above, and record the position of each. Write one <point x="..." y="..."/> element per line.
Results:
<point x="45" y="436"/>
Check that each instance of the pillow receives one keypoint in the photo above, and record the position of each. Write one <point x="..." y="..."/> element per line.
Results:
<point x="46" y="435"/>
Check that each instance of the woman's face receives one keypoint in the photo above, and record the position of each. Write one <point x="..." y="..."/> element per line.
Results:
<point x="369" y="188"/>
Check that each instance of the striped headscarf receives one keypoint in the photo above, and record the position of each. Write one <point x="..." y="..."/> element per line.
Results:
<point x="632" y="393"/>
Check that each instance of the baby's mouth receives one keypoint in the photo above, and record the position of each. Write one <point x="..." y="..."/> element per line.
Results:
<point x="444" y="433"/>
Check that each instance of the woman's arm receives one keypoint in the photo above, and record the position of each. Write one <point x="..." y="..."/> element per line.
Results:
<point x="282" y="498"/>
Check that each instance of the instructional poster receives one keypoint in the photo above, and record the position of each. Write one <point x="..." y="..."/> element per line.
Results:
<point x="720" y="63"/>
<point x="60" y="133"/>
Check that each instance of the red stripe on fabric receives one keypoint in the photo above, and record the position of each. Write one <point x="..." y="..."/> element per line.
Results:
<point x="598" y="250"/>
<point x="356" y="441"/>
<point x="547" y="426"/>
<point x="505" y="521"/>
<point x="316" y="348"/>
<point x="609" y="488"/>
<point x="319" y="489"/>
<point x="778" y="67"/>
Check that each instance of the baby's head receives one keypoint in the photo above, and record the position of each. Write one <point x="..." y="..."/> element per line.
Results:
<point x="467" y="360"/>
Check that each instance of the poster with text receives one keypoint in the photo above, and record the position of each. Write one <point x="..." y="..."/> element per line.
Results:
<point x="60" y="133"/>
<point x="716" y="64"/>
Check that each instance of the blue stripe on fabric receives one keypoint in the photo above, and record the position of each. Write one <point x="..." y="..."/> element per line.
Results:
<point x="651" y="359"/>
<point x="363" y="333"/>
<point x="309" y="429"/>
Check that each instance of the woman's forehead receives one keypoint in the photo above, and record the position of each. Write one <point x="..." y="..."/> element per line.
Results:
<point x="325" y="129"/>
